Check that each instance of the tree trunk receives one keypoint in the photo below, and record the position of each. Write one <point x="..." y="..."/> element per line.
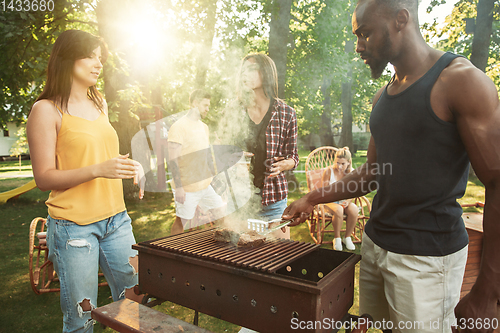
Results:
<point x="481" y="42"/>
<point x="278" y="39"/>
<point x="114" y="80"/>
<point x="346" y="100"/>
<point x="326" y="117"/>
<point x="482" y="33"/>
<point x="206" y="46"/>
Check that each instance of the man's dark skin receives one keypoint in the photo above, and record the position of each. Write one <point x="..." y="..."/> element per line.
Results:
<point x="462" y="95"/>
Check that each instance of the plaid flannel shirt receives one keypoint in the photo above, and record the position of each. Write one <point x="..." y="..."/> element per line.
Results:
<point x="280" y="141"/>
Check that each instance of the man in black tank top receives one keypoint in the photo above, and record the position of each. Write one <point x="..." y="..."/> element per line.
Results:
<point x="436" y="114"/>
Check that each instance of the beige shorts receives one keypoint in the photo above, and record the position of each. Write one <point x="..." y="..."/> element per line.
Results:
<point x="408" y="293"/>
<point x="206" y="199"/>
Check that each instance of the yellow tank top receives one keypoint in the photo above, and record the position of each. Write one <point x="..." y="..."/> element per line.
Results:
<point x="80" y="143"/>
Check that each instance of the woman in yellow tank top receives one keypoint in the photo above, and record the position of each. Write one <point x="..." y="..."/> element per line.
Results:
<point x="74" y="153"/>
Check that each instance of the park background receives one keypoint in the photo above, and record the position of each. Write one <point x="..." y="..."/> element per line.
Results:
<point x="159" y="52"/>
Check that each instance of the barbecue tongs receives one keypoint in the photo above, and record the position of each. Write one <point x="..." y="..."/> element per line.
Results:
<point x="284" y="224"/>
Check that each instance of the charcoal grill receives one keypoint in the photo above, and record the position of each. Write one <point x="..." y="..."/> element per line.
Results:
<point x="266" y="288"/>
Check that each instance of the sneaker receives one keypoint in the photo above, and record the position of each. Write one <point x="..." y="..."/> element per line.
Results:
<point x="349" y="244"/>
<point x="337" y="244"/>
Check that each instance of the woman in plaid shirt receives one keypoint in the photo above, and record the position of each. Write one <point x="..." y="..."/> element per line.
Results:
<point x="272" y="134"/>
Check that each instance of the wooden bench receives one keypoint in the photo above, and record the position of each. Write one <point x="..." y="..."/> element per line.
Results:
<point x="128" y="316"/>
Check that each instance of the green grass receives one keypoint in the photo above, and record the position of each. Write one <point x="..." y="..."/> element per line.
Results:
<point x="13" y="166"/>
<point x="24" y="311"/>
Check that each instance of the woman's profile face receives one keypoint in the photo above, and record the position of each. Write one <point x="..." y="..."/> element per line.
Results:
<point x="87" y="70"/>
<point x="250" y="74"/>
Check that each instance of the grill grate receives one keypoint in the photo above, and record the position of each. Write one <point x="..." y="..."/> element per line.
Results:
<point x="269" y="257"/>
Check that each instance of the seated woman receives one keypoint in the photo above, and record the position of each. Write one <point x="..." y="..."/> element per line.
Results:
<point x="342" y="165"/>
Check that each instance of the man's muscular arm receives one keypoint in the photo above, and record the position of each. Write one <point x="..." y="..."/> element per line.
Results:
<point x="476" y="110"/>
<point x="354" y="184"/>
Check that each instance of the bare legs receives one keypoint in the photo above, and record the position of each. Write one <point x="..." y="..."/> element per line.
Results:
<point x="177" y="227"/>
<point x="338" y="216"/>
<point x="129" y="293"/>
<point x="352" y="215"/>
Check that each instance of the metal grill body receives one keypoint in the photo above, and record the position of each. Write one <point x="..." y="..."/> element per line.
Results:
<point x="268" y="288"/>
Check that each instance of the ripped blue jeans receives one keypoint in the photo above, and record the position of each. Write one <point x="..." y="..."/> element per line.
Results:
<point x="77" y="252"/>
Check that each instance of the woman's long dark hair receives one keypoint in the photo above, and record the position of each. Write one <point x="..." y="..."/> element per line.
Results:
<point x="268" y="72"/>
<point x="269" y="76"/>
<point x="70" y="46"/>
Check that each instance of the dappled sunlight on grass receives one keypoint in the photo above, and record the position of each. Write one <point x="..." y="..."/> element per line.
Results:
<point x="155" y="216"/>
<point x="9" y="184"/>
<point x="14" y="281"/>
<point x="8" y="166"/>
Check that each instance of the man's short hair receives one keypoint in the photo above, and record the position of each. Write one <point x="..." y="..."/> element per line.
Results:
<point x="198" y="95"/>
<point x="396" y="5"/>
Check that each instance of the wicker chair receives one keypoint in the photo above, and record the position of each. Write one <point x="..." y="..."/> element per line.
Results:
<point x="320" y="222"/>
<point x="42" y="274"/>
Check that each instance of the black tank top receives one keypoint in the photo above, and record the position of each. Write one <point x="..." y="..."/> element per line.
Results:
<point x="257" y="144"/>
<point x="422" y="171"/>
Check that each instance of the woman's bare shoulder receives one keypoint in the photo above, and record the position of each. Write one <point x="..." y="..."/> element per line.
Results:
<point x="46" y="107"/>
<point x="44" y="111"/>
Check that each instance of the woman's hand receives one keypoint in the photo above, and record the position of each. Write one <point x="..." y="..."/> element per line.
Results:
<point x="281" y="164"/>
<point x="346" y="203"/>
<point x="120" y="167"/>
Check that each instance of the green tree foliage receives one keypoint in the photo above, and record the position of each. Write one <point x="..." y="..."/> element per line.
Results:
<point x="172" y="58"/>
<point x="454" y="38"/>
<point x="26" y="40"/>
<point x="279" y="36"/>
<point x="20" y="147"/>
<point x="322" y="58"/>
<point x="317" y="63"/>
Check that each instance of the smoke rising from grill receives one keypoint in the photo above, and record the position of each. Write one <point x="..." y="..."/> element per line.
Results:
<point x="231" y="177"/>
